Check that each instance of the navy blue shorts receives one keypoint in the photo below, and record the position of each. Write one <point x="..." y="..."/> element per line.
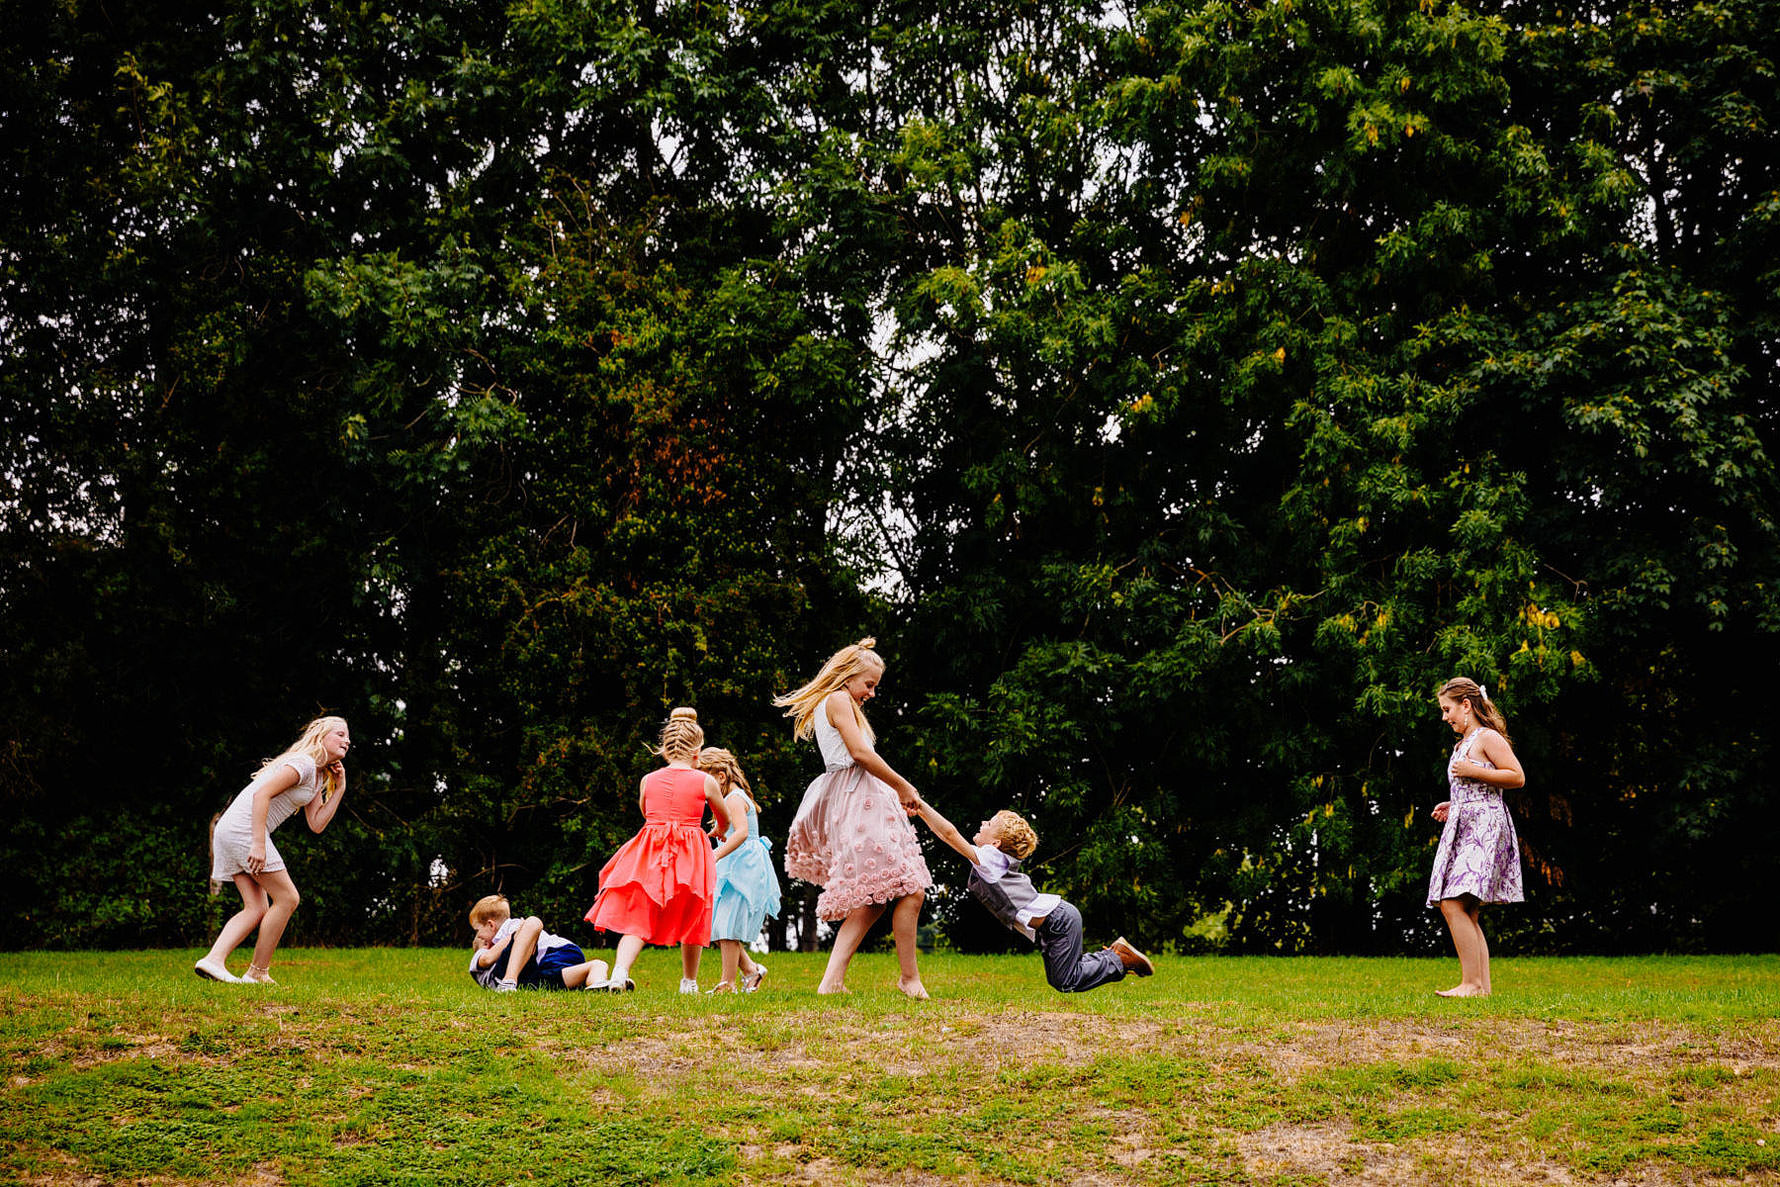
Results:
<point x="545" y="972"/>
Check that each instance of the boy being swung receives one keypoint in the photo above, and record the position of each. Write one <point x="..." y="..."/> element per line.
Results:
<point x="1003" y="841"/>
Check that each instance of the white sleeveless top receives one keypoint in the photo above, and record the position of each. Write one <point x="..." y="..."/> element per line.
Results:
<point x="835" y="755"/>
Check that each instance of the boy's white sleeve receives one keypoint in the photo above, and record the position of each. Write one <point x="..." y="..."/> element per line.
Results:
<point x="548" y="940"/>
<point x="990" y="863"/>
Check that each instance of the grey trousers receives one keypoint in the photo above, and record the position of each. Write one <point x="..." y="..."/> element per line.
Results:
<point x="1067" y="968"/>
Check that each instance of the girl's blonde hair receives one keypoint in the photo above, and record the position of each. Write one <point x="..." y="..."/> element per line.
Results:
<point x="680" y="737"/>
<point x="310" y="747"/>
<point x="722" y="765"/>
<point x="1459" y="688"/>
<point x="800" y="704"/>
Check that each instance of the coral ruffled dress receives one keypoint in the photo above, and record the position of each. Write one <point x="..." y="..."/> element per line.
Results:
<point x="660" y="883"/>
<point x="851" y="835"/>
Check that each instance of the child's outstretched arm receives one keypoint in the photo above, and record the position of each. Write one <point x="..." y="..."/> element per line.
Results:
<point x="844" y="717"/>
<point x="945" y="830"/>
<point x="733" y="816"/>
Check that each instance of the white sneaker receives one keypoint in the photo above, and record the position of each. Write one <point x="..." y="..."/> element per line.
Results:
<point x="214" y="971"/>
<point x="506" y="987"/>
<point x="688" y="985"/>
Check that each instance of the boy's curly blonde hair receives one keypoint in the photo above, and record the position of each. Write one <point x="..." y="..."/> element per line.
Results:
<point x="1013" y="835"/>
<point x="493" y="907"/>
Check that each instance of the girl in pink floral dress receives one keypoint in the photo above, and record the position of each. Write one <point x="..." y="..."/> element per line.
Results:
<point x="1479" y="857"/>
<point x="852" y="833"/>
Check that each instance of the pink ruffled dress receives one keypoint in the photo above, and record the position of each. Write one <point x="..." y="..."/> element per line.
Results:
<point x="851" y="835"/>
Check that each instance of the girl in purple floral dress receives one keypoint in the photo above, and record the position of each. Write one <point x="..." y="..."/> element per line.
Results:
<point x="1479" y="857"/>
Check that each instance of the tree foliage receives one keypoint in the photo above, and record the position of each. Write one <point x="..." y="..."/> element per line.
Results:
<point x="1182" y="393"/>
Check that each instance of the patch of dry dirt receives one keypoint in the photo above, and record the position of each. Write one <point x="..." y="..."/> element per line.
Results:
<point x="828" y="1173"/>
<point x="1329" y="1154"/>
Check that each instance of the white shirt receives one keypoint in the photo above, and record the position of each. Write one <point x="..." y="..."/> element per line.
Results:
<point x="502" y="935"/>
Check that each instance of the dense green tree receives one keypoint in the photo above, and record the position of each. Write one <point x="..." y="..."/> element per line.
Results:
<point x="409" y="413"/>
<point x="1181" y="393"/>
<point x="1340" y="360"/>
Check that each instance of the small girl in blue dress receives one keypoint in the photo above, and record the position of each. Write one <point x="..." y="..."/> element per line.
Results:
<point x="747" y="888"/>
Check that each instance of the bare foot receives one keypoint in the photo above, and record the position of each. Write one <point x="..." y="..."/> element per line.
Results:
<point x="913" y="988"/>
<point x="825" y="988"/>
<point x="1462" y="990"/>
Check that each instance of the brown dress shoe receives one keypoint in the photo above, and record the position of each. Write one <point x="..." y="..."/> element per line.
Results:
<point x="1133" y="960"/>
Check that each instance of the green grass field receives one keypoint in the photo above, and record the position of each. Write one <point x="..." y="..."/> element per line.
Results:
<point x="390" y="1066"/>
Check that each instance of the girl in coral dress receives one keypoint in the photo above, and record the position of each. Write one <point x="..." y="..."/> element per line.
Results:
<point x="657" y="889"/>
<point x="852" y="833"/>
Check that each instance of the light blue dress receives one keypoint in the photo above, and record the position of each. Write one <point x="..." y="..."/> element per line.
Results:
<point x="747" y="888"/>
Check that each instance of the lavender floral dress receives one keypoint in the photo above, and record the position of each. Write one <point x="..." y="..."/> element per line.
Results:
<point x="1479" y="852"/>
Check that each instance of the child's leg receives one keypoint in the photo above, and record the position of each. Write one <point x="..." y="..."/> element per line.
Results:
<point x="285" y="898"/>
<point x="904" y="922"/>
<point x="1473" y="908"/>
<point x="1468" y="941"/>
<point x="523" y="948"/>
<point x="242" y="922"/>
<point x="1066" y="967"/>
<point x="846" y="942"/>
<point x="753" y="972"/>
<point x="689" y="958"/>
<point x="628" y="949"/>
<point x="732" y="959"/>
<point x="577" y="975"/>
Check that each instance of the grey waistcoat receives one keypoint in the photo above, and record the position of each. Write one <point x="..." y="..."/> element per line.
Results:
<point x="1007" y="898"/>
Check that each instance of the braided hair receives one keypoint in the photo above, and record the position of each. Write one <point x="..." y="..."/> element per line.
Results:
<point x="681" y="737"/>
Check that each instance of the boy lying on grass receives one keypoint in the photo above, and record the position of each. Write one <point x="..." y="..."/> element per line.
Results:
<point x="513" y="952"/>
<point x="1004" y="840"/>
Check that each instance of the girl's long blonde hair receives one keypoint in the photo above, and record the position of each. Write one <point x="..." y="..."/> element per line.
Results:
<point x="720" y="763"/>
<point x="310" y="747"/>
<point x="800" y="704"/>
